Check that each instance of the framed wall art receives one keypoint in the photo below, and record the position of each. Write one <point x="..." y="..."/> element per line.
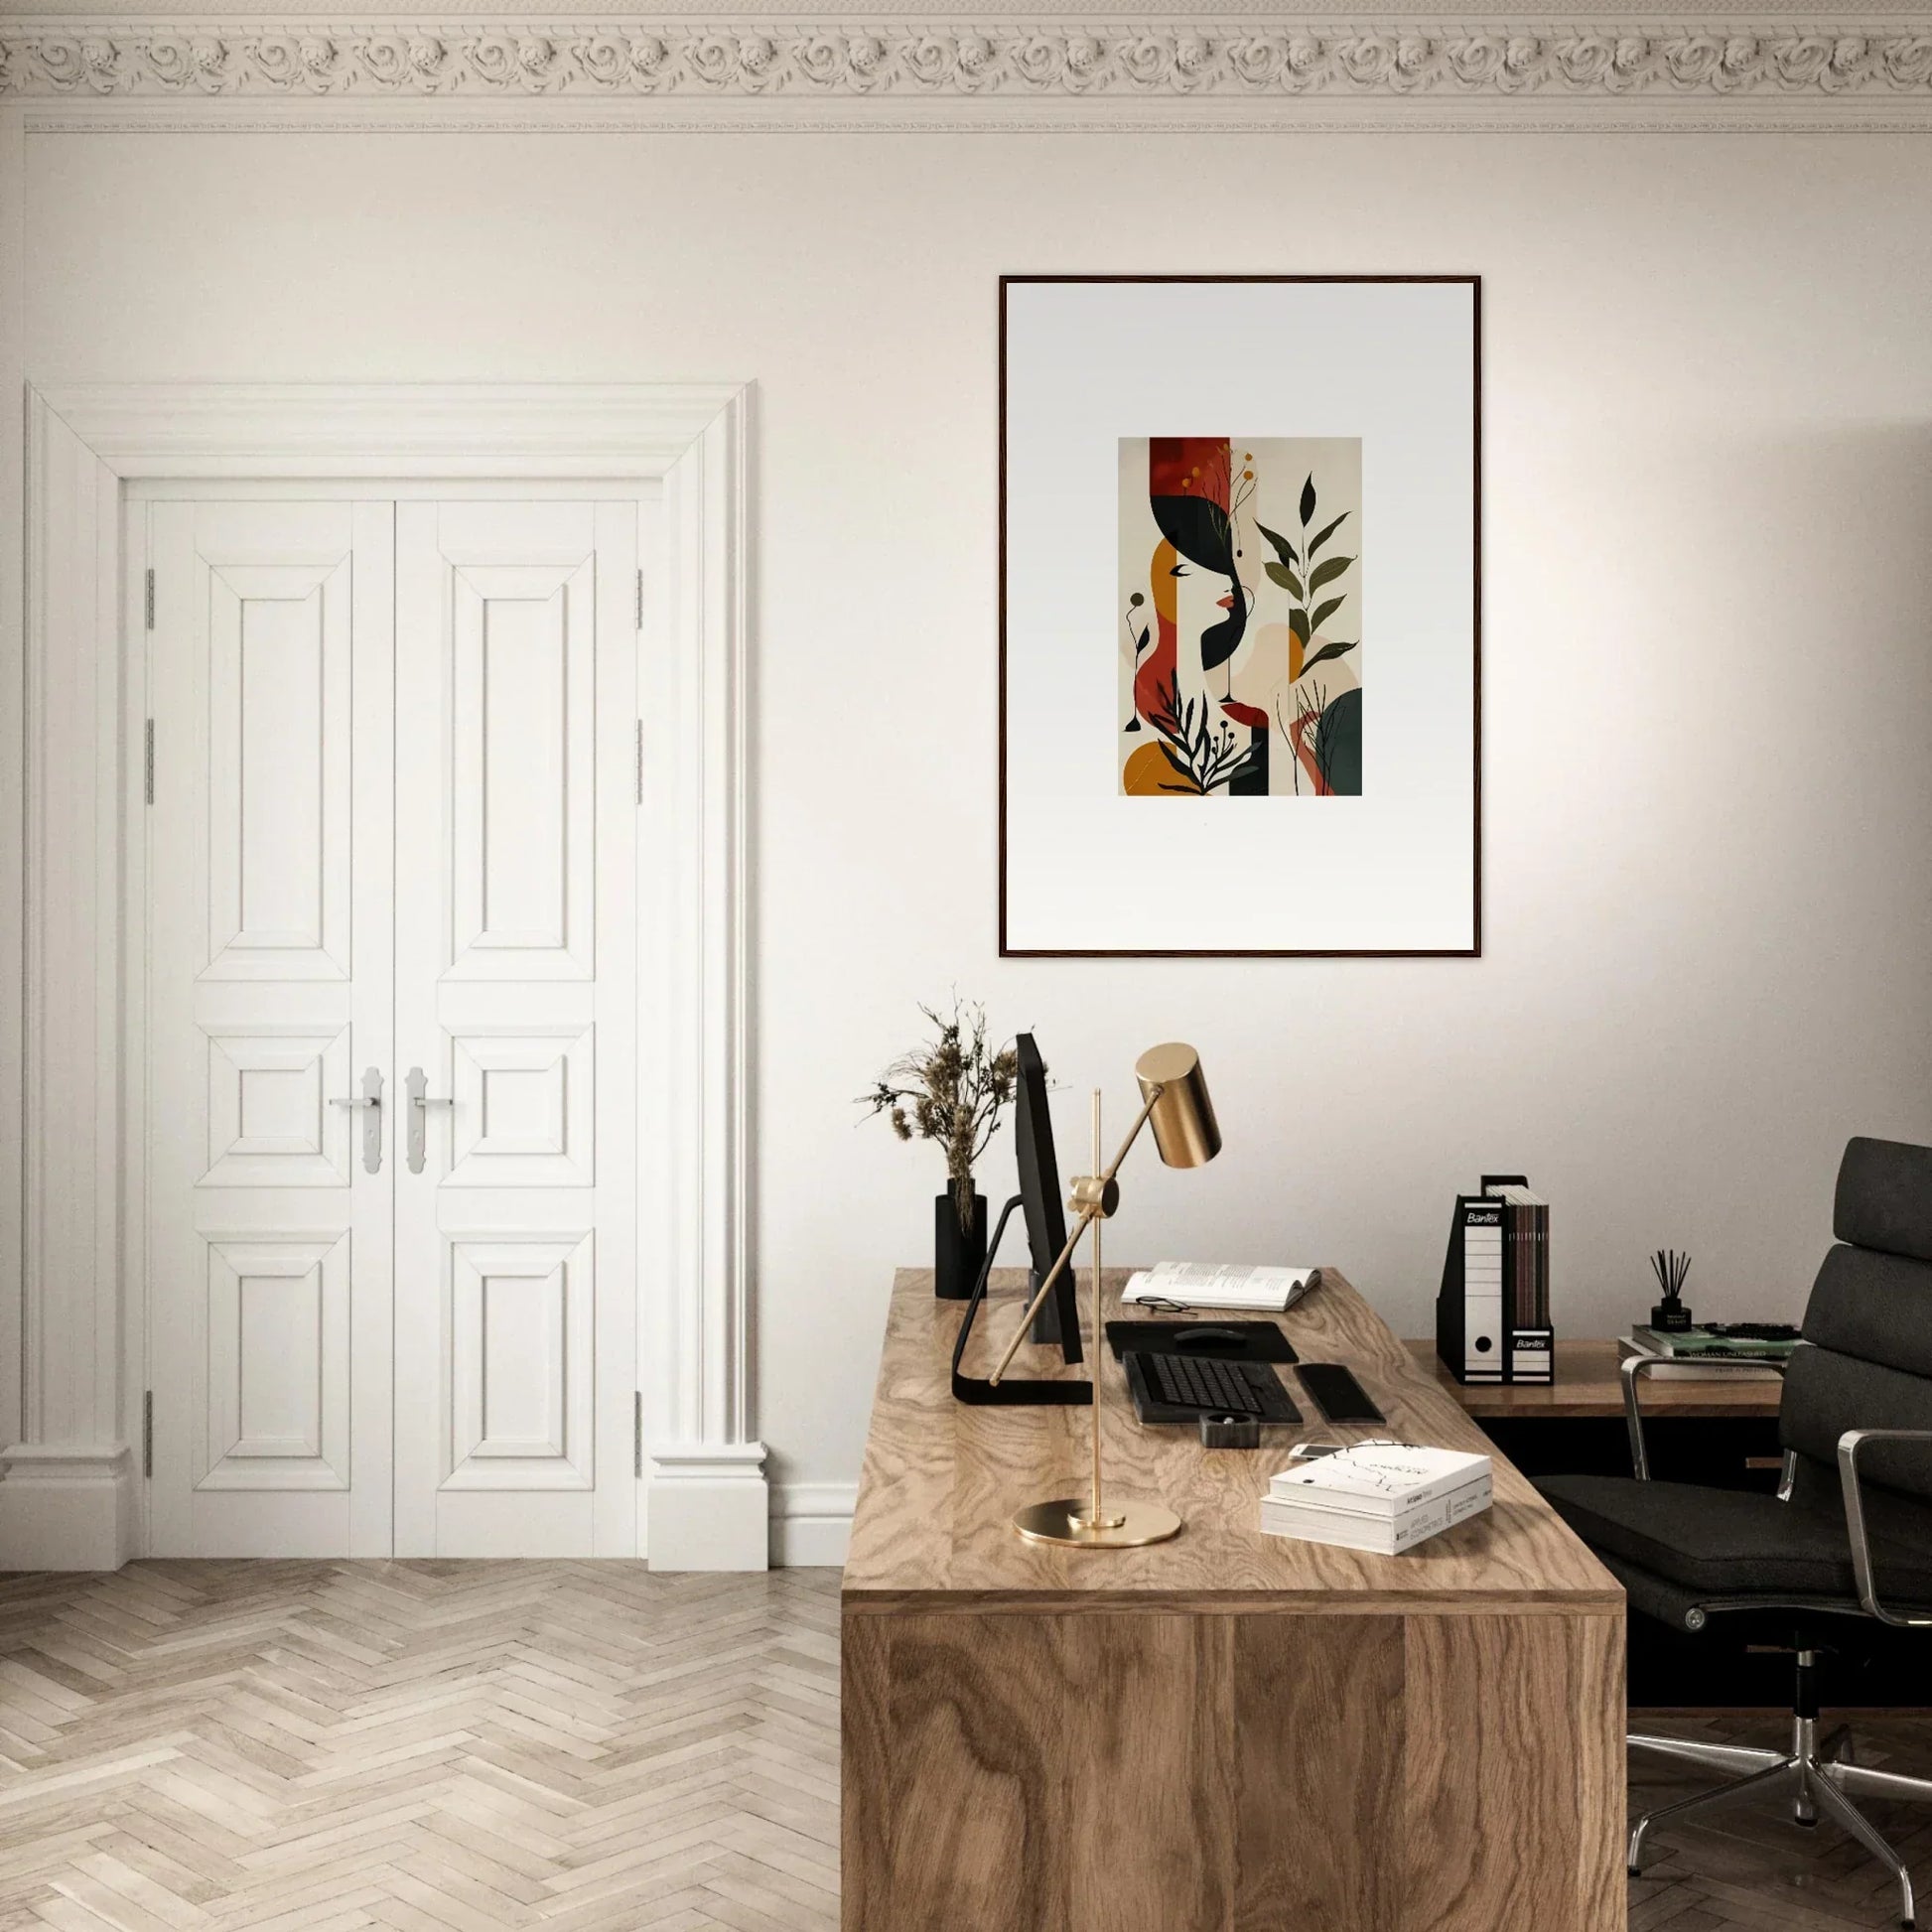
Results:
<point x="1240" y="615"/>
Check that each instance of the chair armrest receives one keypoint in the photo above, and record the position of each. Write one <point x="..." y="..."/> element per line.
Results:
<point x="1849" y="1445"/>
<point x="1634" y="1367"/>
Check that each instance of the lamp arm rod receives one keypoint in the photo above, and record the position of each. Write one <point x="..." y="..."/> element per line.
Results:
<point x="1133" y="1134"/>
<point x="1088" y="1215"/>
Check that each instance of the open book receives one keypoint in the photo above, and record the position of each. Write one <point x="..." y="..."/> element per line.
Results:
<point x="1209" y="1285"/>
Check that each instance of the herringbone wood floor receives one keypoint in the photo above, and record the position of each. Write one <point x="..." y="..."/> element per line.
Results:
<point x="433" y="1746"/>
<point x="463" y="1748"/>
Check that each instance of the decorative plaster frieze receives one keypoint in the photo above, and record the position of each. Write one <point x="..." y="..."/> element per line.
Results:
<point x="1027" y="60"/>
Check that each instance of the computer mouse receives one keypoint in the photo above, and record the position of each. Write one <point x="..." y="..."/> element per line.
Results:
<point x="1209" y="1337"/>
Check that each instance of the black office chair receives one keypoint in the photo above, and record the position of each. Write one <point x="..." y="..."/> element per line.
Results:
<point x="1849" y="1536"/>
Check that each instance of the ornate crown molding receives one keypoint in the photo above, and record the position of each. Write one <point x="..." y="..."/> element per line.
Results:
<point x="1178" y="61"/>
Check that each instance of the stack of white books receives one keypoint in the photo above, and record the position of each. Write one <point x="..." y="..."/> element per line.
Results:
<point x="1380" y="1496"/>
<point x="1213" y="1285"/>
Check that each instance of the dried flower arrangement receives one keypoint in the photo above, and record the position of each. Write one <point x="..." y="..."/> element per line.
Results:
<point x="953" y="1090"/>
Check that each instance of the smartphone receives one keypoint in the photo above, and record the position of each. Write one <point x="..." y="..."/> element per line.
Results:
<point x="1338" y="1394"/>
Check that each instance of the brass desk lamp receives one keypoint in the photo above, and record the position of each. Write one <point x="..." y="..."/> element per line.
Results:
<point x="1175" y="1102"/>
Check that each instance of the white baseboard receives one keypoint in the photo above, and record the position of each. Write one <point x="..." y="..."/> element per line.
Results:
<point x="811" y="1523"/>
<point x="709" y="1507"/>
<point x="64" y="1507"/>
<point x="74" y="1509"/>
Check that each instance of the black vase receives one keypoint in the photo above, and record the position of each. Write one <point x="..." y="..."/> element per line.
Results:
<point x="958" y="1254"/>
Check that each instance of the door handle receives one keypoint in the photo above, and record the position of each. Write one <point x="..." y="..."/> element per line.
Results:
<point x="420" y="1102"/>
<point x="371" y="1099"/>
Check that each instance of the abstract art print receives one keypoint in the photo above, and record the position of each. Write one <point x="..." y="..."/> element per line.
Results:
<point x="1239" y="616"/>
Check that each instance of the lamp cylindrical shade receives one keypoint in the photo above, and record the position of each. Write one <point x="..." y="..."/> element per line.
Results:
<point x="1184" y="1128"/>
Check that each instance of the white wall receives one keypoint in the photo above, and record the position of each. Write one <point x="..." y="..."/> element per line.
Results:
<point x="1707" y="653"/>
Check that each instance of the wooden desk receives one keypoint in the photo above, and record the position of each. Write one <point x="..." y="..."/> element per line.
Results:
<point x="1229" y="1730"/>
<point x="1587" y="1385"/>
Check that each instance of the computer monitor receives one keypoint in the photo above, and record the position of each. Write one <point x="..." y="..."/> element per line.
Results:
<point x="1040" y="1196"/>
<point x="1039" y="1199"/>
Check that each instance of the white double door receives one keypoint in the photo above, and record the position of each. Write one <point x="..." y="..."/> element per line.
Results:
<point x="391" y="859"/>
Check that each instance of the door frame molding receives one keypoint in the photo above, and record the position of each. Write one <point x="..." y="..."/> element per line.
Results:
<point x="69" y="1497"/>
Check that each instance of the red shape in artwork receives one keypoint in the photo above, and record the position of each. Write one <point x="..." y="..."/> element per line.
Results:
<point x="1156" y="672"/>
<point x="1245" y="714"/>
<point x="1191" y="466"/>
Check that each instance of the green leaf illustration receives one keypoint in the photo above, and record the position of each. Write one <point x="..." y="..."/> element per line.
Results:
<point x="1324" y="612"/>
<point x="1298" y="622"/>
<point x="1282" y="548"/>
<point x="1286" y="578"/>
<point x="1308" y="501"/>
<point x="1328" y="652"/>
<point x="1327" y="573"/>
<point x="1322" y="536"/>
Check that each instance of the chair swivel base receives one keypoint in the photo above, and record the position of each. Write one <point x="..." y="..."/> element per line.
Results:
<point x="1818" y="1777"/>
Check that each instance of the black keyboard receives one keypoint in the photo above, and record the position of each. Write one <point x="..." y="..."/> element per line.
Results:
<point x="1206" y="1387"/>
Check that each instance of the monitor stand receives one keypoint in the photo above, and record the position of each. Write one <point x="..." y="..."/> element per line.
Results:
<point x="1012" y="1391"/>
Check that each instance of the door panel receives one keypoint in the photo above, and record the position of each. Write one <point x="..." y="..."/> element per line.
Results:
<point x="516" y="1243"/>
<point x="279" y="762"/>
<point x="522" y="691"/>
<point x="269" y="994"/>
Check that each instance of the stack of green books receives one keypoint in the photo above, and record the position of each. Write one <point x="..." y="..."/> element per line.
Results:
<point x="1689" y="1344"/>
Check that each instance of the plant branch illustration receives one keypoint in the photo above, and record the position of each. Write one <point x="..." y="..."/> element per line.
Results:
<point x="1203" y="750"/>
<point x="1303" y="572"/>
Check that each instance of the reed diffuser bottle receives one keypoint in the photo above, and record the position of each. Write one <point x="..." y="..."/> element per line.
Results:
<point x="1670" y="1316"/>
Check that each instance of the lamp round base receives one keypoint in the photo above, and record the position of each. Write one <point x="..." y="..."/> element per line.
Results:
<point x="1063" y="1521"/>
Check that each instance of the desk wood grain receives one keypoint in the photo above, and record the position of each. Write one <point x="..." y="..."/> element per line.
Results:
<point x="942" y="1478"/>
<point x="1228" y="1732"/>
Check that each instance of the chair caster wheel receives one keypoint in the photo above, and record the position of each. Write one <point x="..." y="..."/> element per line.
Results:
<point x="1633" y="1872"/>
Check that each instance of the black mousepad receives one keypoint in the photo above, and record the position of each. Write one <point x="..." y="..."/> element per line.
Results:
<point x="1225" y="1342"/>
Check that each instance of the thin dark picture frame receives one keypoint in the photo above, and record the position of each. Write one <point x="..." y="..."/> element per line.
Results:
<point x="1473" y="283"/>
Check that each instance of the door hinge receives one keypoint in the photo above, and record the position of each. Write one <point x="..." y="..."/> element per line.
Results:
<point x="640" y="599"/>
<point x="149" y="761"/>
<point x="150" y="599"/>
<point x="641" y="761"/>
<point x="147" y="1433"/>
<point x="637" y="1433"/>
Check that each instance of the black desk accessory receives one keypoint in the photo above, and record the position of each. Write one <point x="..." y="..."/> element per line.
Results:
<point x="1183" y="1389"/>
<point x="1338" y="1394"/>
<point x="1229" y="1432"/>
<point x="1227" y="1341"/>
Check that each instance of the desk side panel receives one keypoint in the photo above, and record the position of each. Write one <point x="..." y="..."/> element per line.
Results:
<point x="1514" y="1773"/>
<point x="1121" y="1772"/>
<point x="1319" y="1733"/>
<point x="957" y="1776"/>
